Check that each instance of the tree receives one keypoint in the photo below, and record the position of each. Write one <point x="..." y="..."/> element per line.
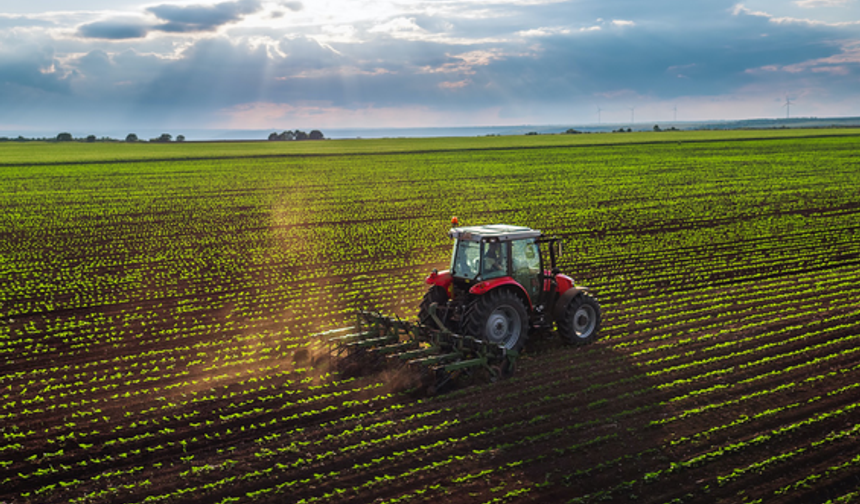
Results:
<point x="64" y="137"/>
<point x="273" y="136"/>
<point x="657" y="127"/>
<point x="165" y="137"/>
<point x="300" y="135"/>
<point x="91" y="138"/>
<point x="180" y="138"/>
<point x="131" y="138"/>
<point x="316" y="135"/>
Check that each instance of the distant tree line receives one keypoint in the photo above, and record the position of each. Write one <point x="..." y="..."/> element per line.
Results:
<point x="67" y="137"/>
<point x="296" y="135"/>
<point x="569" y="131"/>
<point x="656" y="128"/>
<point x="164" y="138"/>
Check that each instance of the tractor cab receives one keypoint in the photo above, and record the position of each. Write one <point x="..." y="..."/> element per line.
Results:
<point x="484" y="251"/>
<point x="489" y="253"/>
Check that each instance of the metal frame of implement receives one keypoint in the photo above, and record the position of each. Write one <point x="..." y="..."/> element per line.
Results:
<point x="443" y="353"/>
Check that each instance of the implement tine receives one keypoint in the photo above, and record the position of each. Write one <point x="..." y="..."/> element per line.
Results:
<point x="432" y="311"/>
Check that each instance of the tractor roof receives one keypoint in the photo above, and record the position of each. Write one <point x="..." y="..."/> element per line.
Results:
<point x="493" y="232"/>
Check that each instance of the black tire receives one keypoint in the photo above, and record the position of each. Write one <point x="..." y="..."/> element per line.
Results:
<point x="499" y="317"/>
<point x="580" y="322"/>
<point x="436" y="295"/>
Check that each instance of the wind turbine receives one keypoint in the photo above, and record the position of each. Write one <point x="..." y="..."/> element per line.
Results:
<point x="787" y="106"/>
<point x="675" y="110"/>
<point x="632" y="117"/>
<point x="598" y="115"/>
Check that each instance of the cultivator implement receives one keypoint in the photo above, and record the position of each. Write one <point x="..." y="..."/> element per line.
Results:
<point x="439" y="356"/>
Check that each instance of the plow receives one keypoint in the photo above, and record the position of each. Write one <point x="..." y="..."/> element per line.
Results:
<point x="503" y="285"/>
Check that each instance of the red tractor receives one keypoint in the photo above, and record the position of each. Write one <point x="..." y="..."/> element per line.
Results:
<point x="502" y="284"/>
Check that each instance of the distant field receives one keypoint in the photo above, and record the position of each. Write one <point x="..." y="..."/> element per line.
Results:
<point x="66" y="152"/>
<point x="157" y="302"/>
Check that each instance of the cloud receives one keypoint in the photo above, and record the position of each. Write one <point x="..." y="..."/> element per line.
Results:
<point x="455" y="85"/>
<point x="115" y="29"/>
<point x="31" y="72"/>
<point x="174" y="19"/>
<point x="337" y="72"/>
<point x="197" y="18"/>
<point x="525" y="60"/>
<point x="7" y="21"/>
<point x="293" y="6"/>
<point x="840" y="64"/>
<point x="739" y="9"/>
<point x="400" y="27"/>
<point x="465" y="63"/>
<point x="543" y="32"/>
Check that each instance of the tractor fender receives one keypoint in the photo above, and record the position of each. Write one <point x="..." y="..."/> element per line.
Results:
<point x="564" y="283"/>
<point x="441" y="278"/>
<point x="565" y="299"/>
<point x="486" y="286"/>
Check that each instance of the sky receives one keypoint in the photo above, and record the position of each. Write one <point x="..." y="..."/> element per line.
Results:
<point x="317" y="64"/>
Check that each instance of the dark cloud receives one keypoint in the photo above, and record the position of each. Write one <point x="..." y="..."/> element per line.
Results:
<point x="175" y="19"/>
<point x="114" y="29"/>
<point x="32" y="70"/>
<point x="95" y="64"/>
<point x="196" y="18"/>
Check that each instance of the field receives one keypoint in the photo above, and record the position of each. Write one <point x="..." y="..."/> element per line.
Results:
<point x="157" y="303"/>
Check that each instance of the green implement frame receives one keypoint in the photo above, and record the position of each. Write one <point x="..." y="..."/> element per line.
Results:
<point x="440" y="355"/>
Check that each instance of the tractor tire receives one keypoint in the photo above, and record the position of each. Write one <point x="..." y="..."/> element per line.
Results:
<point x="436" y="295"/>
<point x="580" y="322"/>
<point x="499" y="317"/>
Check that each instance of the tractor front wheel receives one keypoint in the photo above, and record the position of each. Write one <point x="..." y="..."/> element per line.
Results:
<point x="581" y="320"/>
<point x="501" y="318"/>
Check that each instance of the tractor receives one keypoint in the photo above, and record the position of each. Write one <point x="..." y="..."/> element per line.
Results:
<point x="502" y="285"/>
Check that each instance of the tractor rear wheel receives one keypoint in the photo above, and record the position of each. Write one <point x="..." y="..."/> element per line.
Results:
<point x="436" y="295"/>
<point x="501" y="318"/>
<point x="581" y="320"/>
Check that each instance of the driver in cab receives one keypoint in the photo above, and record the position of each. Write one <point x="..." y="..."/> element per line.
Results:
<point x="494" y="261"/>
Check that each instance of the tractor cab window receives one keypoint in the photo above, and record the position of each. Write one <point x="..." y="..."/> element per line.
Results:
<point x="526" y="264"/>
<point x="466" y="259"/>
<point x="495" y="263"/>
